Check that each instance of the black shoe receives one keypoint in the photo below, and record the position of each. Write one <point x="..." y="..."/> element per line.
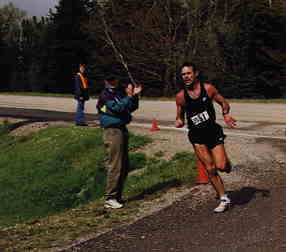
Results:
<point x="81" y="124"/>
<point x="228" y="170"/>
<point x="121" y="200"/>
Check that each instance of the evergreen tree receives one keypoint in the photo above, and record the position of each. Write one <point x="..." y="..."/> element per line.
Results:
<point x="67" y="45"/>
<point x="10" y="45"/>
<point x="248" y="46"/>
<point x="33" y="46"/>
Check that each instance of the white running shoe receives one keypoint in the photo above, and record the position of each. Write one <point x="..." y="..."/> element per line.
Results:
<point x="223" y="205"/>
<point x="112" y="203"/>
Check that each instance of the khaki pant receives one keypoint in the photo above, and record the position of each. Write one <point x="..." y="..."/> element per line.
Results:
<point x="116" y="142"/>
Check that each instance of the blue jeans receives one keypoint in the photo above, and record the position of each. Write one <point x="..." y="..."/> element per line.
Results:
<point x="79" y="115"/>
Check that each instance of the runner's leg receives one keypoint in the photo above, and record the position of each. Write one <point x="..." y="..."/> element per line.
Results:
<point x="221" y="160"/>
<point x="206" y="157"/>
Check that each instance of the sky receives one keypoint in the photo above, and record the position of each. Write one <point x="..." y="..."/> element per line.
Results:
<point x="32" y="7"/>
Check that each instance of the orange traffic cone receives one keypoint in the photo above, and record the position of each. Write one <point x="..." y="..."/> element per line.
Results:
<point x="154" y="125"/>
<point x="202" y="176"/>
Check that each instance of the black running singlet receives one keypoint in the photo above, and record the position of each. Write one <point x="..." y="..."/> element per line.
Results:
<point x="200" y="112"/>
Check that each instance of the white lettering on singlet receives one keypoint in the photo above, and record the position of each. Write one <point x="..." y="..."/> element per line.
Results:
<point x="201" y="117"/>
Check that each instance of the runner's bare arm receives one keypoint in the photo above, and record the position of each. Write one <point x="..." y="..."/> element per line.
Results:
<point x="180" y="116"/>
<point x="214" y="94"/>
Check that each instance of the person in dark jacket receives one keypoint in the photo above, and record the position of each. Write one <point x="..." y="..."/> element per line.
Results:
<point x="115" y="105"/>
<point x="81" y="95"/>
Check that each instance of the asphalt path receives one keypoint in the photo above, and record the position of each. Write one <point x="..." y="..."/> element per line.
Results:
<point x="267" y="119"/>
<point x="255" y="224"/>
<point x="160" y="110"/>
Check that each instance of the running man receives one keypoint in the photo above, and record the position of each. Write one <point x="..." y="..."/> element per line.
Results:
<point x="195" y="102"/>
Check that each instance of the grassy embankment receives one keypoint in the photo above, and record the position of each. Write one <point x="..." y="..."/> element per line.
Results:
<point x="52" y="184"/>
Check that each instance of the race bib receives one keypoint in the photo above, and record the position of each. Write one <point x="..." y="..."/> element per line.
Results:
<point x="199" y="118"/>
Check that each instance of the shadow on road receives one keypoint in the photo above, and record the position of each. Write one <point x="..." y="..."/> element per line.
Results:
<point x="246" y="194"/>
<point x="43" y="115"/>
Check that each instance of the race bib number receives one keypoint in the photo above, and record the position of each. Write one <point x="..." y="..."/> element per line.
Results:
<point x="199" y="118"/>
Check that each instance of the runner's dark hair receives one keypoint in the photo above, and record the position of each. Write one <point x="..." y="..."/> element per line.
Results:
<point x="188" y="64"/>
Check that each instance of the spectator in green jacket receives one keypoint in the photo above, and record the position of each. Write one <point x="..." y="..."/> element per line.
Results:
<point x="115" y="105"/>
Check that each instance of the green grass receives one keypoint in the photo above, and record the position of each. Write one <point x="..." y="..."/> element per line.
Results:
<point x="48" y="172"/>
<point x="4" y="128"/>
<point x="161" y="174"/>
<point x="58" y="173"/>
<point x="55" y="169"/>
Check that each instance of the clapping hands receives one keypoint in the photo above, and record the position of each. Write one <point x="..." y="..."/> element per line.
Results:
<point x="131" y="91"/>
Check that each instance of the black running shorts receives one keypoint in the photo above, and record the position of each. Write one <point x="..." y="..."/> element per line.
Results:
<point x="210" y="136"/>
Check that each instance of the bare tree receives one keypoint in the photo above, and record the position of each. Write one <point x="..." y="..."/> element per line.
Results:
<point x="145" y="39"/>
<point x="11" y="23"/>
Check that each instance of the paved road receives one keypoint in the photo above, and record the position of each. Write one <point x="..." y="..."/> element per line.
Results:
<point x="160" y="110"/>
<point x="255" y="118"/>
